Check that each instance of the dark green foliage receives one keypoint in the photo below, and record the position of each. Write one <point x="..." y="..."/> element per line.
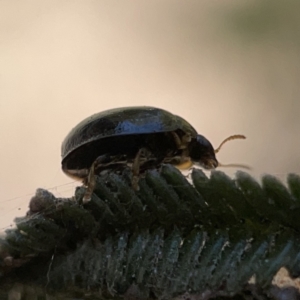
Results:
<point x="168" y="238"/>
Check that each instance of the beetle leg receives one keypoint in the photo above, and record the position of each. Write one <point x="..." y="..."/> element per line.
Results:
<point x="183" y="161"/>
<point x="90" y="180"/>
<point x="182" y="142"/>
<point x="90" y="183"/>
<point x="136" y="168"/>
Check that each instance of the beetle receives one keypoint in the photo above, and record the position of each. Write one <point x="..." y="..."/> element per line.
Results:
<point x="141" y="137"/>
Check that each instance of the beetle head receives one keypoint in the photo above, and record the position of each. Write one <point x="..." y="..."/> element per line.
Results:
<point x="202" y="153"/>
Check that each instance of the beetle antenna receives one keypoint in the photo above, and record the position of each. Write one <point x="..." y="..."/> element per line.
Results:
<point x="230" y="138"/>
<point x="234" y="166"/>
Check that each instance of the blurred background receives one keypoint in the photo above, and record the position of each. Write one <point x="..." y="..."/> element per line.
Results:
<point x="228" y="67"/>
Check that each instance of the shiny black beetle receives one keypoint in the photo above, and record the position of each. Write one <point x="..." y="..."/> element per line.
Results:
<point x="139" y="137"/>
